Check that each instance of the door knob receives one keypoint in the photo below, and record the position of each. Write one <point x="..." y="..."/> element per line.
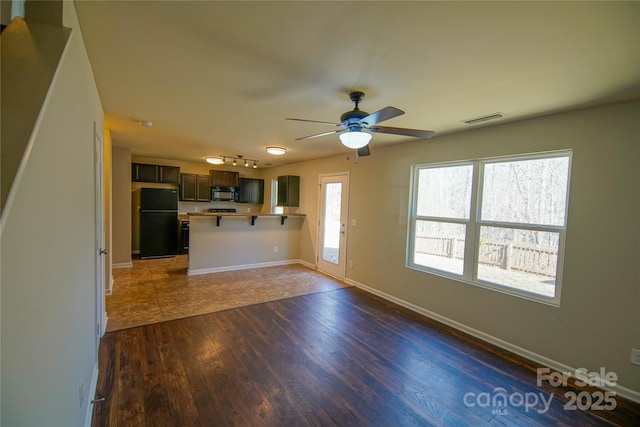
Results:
<point x="104" y="251"/>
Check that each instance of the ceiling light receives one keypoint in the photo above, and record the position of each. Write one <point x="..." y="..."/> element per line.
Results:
<point x="276" y="151"/>
<point x="355" y="139"/>
<point x="234" y="162"/>
<point x="145" y="123"/>
<point x="255" y="164"/>
<point x="215" y="160"/>
<point x="246" y="165"/>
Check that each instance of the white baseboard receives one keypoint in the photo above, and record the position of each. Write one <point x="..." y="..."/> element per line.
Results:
<point x="306" y="264"/>
<point x="90" y="396"/>
<point x="245" y="267"/>
<point x="535" y="357"/>
<point x="128" y="264"/>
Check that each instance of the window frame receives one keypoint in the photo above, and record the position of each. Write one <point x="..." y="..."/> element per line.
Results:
<point x="474" y="225"/>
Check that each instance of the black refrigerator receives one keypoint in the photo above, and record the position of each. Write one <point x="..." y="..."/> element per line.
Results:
<point x="158" y="223"/>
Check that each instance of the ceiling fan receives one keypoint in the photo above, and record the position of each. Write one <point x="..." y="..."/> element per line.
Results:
<point x="354" y="122"/>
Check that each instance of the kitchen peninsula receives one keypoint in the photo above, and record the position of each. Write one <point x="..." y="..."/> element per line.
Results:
<point x="223" y="241"/>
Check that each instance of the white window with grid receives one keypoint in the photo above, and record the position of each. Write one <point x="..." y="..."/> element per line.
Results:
<point x="498" y="223"/>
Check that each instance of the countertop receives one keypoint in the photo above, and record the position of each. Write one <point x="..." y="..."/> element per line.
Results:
<point x="185" y="216"/>
<point x="244" y="214"/>
<point x="252" y="215"/>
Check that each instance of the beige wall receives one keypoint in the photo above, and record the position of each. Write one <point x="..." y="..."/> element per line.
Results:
<point x="29" y="55"/>
<point x="598" y="321"/>
<point x="237" y="243"/>
<point x="108" y="206"/>
<point x="48" y="257"/>
<point x="121" y="193"/>
<point x="5" y="12"/>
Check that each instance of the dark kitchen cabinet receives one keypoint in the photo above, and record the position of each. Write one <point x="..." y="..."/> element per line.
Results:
<point x="289" y="190"/>
<point x="141" y="172"/>
<point x="194" y="188"/>
<point x="169" y="174"/>
<point x="218" y="178"/>
<point x="251" y="191"/>
<point x="184" y="237"/>
<point x="144" y="173"/>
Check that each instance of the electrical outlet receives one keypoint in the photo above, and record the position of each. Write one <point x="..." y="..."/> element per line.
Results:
<point x="81" y="392"/>
<point x="275" y="249"/>
<point x="351" y="264"/>
<point x="635" y="356"/>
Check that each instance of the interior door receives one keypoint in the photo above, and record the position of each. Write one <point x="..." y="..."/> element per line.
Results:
<point x="332" y="238"/>
<point x="101" y="251"/>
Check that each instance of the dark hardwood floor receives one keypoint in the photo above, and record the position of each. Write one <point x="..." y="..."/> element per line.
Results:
<point x="338" y="358"/>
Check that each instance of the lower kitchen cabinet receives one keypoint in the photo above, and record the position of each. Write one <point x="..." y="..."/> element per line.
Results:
<point x="184" y="237"/>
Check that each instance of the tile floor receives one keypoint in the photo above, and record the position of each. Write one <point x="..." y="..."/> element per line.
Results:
<point x="157" y="290"/>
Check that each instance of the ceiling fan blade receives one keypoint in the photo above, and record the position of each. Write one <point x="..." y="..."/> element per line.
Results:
<point x="320" y="134"/>
<point x="402" y="131"/>
<point x="315" y="121"/>
<point x="364" y="151"/>
<point x="381" y="115"/>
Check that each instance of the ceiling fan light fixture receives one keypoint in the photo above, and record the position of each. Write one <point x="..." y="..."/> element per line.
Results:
<point x="215" y="160"/>
<point x="355" y="139"/>
<point x="276" y="151"/>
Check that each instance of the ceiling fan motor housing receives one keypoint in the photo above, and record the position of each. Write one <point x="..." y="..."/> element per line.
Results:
<point x="352" y="117"/>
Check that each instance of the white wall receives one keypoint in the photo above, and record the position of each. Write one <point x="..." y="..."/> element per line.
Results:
<point x="598" y="321"/>
<point x="48" y="254"/>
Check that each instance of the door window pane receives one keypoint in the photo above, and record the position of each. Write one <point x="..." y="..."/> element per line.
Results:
<point x="439" y="245"/>
<point x="332" y="226"/>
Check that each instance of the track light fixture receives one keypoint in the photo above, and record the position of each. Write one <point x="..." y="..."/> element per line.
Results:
<point x="234" y="160"/>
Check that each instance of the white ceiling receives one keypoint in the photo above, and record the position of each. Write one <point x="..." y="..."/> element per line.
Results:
<point x="219" y="78"/>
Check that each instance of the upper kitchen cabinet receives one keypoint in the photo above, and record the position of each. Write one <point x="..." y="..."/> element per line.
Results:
<point x="141" y="172"/>
<point x="169" y="174"/>
<point x="251" y="191"/>
<point x="218" y="178"/>
<point x="144" y="173"/>
<point x="289" y="190"/>
<point x="194" y="188"/>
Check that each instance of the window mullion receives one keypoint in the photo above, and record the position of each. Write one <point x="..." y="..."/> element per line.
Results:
<point x="471" y="236"/>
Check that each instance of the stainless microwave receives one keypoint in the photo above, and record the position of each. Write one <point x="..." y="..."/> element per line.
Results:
<point x="224" y="194"/>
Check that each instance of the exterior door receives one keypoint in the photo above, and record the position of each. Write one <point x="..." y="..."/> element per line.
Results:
<point x="332" y="238"/>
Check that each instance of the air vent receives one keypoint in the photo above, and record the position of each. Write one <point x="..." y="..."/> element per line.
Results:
<point x="483" y="118"/>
